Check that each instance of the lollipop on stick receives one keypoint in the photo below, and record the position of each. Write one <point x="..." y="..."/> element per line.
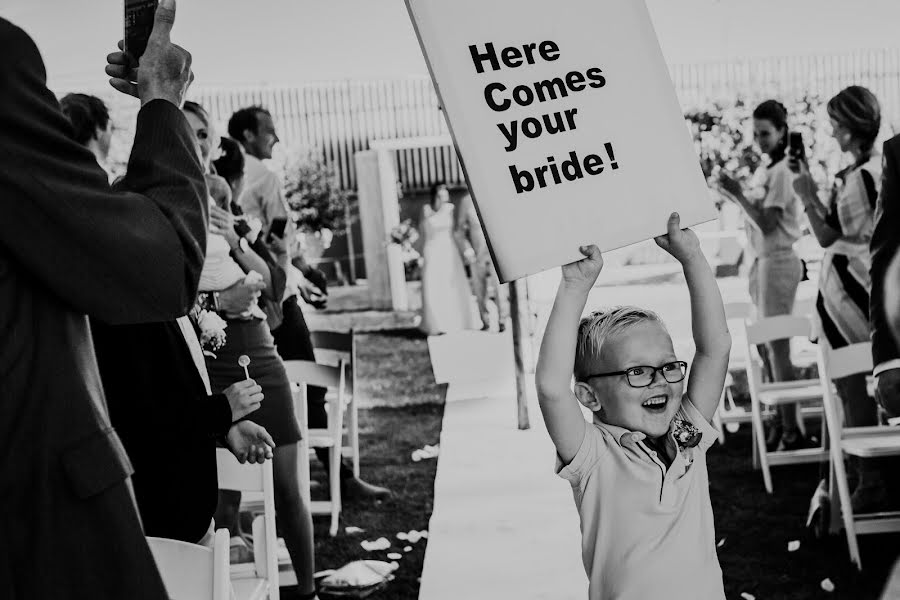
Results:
<point x="244" y="361"/>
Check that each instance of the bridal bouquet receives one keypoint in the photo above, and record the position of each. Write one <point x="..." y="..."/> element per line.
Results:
<point x="405" y="235"/>
<point x="212" y="332"/>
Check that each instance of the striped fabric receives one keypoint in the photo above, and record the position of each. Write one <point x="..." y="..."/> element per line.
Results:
<point x="843" y="302"/>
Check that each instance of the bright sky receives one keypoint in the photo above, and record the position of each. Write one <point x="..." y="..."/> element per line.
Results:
<point x="237" y="42"/>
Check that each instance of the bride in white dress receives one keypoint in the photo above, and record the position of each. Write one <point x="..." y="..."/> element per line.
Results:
<point x="446" y="303"/>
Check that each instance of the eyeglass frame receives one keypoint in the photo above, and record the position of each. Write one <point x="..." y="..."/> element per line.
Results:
<point x="683" y="370"/>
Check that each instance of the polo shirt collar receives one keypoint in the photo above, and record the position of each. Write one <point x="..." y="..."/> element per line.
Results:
<point x="629" y="439"/>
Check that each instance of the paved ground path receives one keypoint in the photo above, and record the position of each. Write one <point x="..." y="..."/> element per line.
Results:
<point x="503" y="526"/>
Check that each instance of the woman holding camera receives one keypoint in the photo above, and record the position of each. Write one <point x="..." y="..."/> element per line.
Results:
<point x="773" y="225"/>
<point x="844" y="228"/>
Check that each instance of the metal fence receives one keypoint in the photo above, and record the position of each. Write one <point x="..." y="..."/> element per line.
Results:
<point x="341" y="118"/>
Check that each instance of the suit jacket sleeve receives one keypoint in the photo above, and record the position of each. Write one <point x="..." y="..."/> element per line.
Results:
<point x="884" y="245"/>
<point x="125" y="255"/>
<point x="210" y="415"/>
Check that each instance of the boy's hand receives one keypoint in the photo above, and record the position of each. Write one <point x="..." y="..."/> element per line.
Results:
<point x="582" y="274"/>
<point x="680" y="243"/>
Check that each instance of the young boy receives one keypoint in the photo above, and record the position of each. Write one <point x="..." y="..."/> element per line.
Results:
<point x="638" y="472"/>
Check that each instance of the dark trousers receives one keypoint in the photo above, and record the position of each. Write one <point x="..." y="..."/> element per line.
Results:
<point x="293" y="342"/>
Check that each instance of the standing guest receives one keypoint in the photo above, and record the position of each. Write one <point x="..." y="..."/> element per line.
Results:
<point x="263" y="197"/>
<point x="884" y="247"/>
<point x="158" y="395"/>
<point x="773" y="222"/>
<point x="69" y="248"/>
<point x="228" y="261"/>
<point x="844" y="228"/>
<point x="90" y="121"/>
<point x="478" y="257"/>
<point x="446" y="304"/>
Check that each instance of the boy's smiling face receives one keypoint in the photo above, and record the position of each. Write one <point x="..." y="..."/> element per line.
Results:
<point x="649" y="410"/>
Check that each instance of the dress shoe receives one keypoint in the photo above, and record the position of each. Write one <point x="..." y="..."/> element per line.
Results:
<point x="795" y="440"/>
<point x="354" y="488"/>
<point x="240" y="552"/>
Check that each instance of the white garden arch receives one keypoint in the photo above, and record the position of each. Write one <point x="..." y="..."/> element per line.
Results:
<point x="379" y="212"/>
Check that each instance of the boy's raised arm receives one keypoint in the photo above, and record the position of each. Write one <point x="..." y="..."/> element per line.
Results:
<point x="708" y="322"/>
<point x="553" y="375"/>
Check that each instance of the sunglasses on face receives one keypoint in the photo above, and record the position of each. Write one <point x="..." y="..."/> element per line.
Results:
<point x="643" y="376"/>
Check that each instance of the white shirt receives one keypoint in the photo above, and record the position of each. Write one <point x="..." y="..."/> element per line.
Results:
<point x="263" y="197"/>
<point x="647" y="530"/>
<point x="190" y="336"/>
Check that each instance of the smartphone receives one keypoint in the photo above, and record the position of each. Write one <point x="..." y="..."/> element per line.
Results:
<point x="277" y="229"/>
<point x="139" y="15"/>
<point x="796" y="151"/>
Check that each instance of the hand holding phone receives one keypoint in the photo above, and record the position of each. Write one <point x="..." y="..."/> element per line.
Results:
<point x="164" y="72"/>
<point x="139" y="17"/>
<point x="796" y="151"/>
<point x="279" y="224"/>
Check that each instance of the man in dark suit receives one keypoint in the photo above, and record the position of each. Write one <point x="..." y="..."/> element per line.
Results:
<point x="72" y="246"/>
<point x="157" y="391"/>
<point x="884" y="246"/>
<point x="158" y="394"/>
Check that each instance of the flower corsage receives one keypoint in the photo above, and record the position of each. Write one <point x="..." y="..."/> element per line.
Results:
<point x="212" y="332"/>
<point x="686" y="433"/>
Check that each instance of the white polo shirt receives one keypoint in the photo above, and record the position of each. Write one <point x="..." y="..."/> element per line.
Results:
<point x="647" y="531"/>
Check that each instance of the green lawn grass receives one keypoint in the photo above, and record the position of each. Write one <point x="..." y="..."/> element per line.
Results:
<point x="405" y="411"/>
<point x="407" y="408"/>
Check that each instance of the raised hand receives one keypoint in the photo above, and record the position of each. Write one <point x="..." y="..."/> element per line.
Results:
<point x="221" y="222"/>
<point x="249" y="442"/>
<point x="804" y="185"/>
<point x="244" y="397"/>
<point x="680" y="243"/>
<point x="582" y="274"/>
<point x="165" y="68"/>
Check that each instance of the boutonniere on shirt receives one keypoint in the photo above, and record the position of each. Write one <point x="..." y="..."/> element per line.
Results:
<point x="686" y="434"/>
<point x="212" y="332"/>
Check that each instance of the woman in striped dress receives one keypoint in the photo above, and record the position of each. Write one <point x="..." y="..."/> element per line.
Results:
<point x="844" y="228"/>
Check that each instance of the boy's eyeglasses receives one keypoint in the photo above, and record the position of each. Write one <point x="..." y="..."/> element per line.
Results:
<point x="643" y="376"/>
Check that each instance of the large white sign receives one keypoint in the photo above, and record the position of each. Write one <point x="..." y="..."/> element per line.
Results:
<point x="566" y="124"/>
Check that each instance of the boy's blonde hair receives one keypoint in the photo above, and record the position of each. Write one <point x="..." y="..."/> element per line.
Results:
<point x="596" y="328"/>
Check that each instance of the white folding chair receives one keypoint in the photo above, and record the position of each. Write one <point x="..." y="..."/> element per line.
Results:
<point x="258" y="579"/>
<point x="729" y="413"/>
<point x="862" y="442"/>
<point x="330" y="347"/>
<point x="193" y="572"/>
<point x="774" y="394"/>
<point x="304" y="373"/>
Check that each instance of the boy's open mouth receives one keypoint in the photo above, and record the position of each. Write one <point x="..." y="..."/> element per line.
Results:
<point x="656" y="404"/>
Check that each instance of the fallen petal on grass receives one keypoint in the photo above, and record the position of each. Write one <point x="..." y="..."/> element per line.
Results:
<point x="350" y="530"/>
<point x="379" y="544"/>
<point x="721" y="543"/>
<point x="395" y="556"/>
<point x="827" y="585"/>
<point x="407" y="549"/>
<point x="747" y="596"/>
<point x="793" y="545"/>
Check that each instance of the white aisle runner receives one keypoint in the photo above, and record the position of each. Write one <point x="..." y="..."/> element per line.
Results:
<point x="503" y="526"/>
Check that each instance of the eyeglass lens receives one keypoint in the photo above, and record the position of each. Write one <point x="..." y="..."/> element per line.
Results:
<point x="643" y="376"/>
